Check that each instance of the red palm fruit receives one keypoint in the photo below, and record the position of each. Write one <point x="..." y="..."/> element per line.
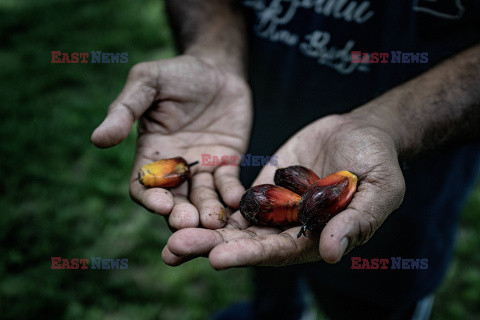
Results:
<point x="324" y="199"/>
<point x="165" y="173"/>
<point x="270" y="205"/>
<point x="295" y="178"/>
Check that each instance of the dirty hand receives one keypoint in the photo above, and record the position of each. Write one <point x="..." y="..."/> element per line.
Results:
<point x="334" y="143"/>
<point x="186" y="107"/>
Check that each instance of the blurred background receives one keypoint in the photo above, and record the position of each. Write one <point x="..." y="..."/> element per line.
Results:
<point x="60" y="196"/>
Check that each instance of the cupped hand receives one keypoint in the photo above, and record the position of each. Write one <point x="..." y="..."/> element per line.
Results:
<point x="186" y="107"/>
<point x="334" y="143"/>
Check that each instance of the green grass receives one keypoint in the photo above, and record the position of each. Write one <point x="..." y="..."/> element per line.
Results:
<point x="459" y="295"/>
<point x="63" y="197"/>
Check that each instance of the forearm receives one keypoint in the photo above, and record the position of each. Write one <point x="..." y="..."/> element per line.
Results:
<point x="213" y="30"/>
<point x="439" y="108"/>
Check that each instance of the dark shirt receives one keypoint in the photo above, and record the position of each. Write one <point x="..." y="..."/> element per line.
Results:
<point x="301" y="69"/>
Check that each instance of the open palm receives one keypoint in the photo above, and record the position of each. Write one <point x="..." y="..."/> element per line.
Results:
<point x="185" y="108"/>
<point x="328" y="145"/>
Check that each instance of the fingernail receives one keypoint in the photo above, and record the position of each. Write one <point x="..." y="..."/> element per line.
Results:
<point x="343" y="245"/>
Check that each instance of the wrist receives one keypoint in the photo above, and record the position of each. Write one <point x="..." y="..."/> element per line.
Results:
<point x="382" y="114"/>
<point x="432" y="111"/>
<point x="213" y="30"/>
<point x="218" y="58"/>
<point x="369" y="116"/>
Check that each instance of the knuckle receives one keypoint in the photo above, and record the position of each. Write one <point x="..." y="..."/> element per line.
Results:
<point x="219" y="236"/>
<point x="227" y="184"/>
<point x="291" y="241"/>
<point x="139" y="70"/>
<point x="261" y="247"/>
<point x="250" y="233"/>
<point x="209" y="204"/>
<point x="205" y="197"/>
<point x="233" y="224"/>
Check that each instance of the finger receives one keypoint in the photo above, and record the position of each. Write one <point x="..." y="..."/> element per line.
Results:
<point x="172" y="229"/>
<point x="198" y="242"/>
<point x="266" y="250"/>
<point x="171" y="259"/>
<point x="266" y="175"/>
<point x="236" y="221"/>
<point x="156" y="200"/>
<point x="354" y="226"/>
<point x="184" y="214"/>
<point x="229" y="212"/>
<point x="204" y="196"/>
<point x="136" y="97"/>
<point x="228" y="184"/>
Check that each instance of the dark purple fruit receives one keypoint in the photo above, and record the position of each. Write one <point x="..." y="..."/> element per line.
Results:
<point x="295" y="178"/>
<point x="324" y="199"/>
<point x="270" y="205"/>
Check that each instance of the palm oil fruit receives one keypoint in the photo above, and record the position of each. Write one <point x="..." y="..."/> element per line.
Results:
<point x="270" y="205"/>
<point x="324" y="199"/>
<point x="165" y="173"/>
<point x="295" y="178"/>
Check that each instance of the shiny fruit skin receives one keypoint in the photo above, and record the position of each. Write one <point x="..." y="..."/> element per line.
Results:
<point x="270" y="205"/>
<point x="295" y="178"/>
<point x="165" y="173"/>
<point x="326" y="198"/>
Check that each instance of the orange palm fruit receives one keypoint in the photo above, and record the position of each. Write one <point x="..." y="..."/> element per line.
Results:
<point x="295" y="178"/>
<point x="324" y="199"/>
<point x="165" y="173"/>
<point x="270" y="205"/>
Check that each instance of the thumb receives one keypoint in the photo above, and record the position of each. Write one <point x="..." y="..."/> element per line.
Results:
<point x="136" y="97"/>
<point x="370" y="206"/>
